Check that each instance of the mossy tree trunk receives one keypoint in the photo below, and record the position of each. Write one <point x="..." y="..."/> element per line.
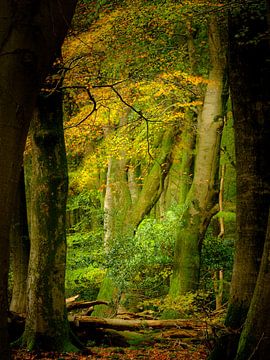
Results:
<point x="20" y="248"/>
<point x="46" y="323"/>
<point x="31" y="32"/>
<point x="249" y="82"/>
<point x="153" y="183"/>
<point x="128" y="214"/>
<point x="250" y="92"/>
<point x="202" y="195"/>
<point x="117" y="200"/>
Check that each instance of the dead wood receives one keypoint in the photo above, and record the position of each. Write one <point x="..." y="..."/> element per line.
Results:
<point x="126" y="315"/>
<point x="178" y="334"/>
<point x="71" y="299"/>
<point x="84" y="304"/>
<point x="121" y="324"/>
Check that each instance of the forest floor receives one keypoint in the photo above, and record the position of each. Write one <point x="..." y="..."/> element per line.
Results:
<point x="157" y="352"/>
<point x="131" y="336"/>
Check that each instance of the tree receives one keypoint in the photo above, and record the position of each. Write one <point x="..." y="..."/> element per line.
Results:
<point x="30" y="34"/>
<point x="46" y="323"/>
<point x="155" y="80"/>
<point x="200" y="201"/>
<point x="146" y="199"/>
<point x="255" y="336"/>
<point x="20" y="249"/>
<point x="249" y="77"/>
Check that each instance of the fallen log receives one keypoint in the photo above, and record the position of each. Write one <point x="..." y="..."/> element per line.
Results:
<point x="125" y="315"/>
<point x="84" y="304"/>
<point x="71" y="299"/>
<point x="121" y="324"/>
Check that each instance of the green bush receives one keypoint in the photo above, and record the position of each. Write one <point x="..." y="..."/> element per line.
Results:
<point x="85" y="265"/>
<point x="143" y="263"/>
<point x="217" y="254"/>
<point x="85" y="254"/>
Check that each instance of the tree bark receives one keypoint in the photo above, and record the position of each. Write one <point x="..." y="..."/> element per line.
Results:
<point x="30" y="33"/>
<point x="46" y="323"/>
<point x="20" y="249"/>
<point x="255" y="337"/>
<point x="250" y="91"/>
<point x="202" y="195"/>
<point x="154" y="182"/>
<point x="249" y="76"/>
<point x="121" y="324"/>
<point x="130" y="215"/>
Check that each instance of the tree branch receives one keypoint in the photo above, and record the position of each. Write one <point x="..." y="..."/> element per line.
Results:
<point x="91" y="97"/>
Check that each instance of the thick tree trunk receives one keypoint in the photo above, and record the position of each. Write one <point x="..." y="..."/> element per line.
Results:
<point x="249" y="82"/>
<point x="202" y="195"/>
<point x="30" y="33"/>
<point x="46" y="323"/>
<point x="250" y="91"/>
<point x="255" y="338"/>
<point x="20" y="249"/>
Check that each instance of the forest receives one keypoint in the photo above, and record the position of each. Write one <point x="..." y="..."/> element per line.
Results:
<point x="135" y="179"/>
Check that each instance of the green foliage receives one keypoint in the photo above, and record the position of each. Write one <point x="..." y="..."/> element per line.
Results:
<point x="90" y="215"/>
<point x="217" y="254"/>
<point x="85" y="255"/>
<point x="143" y="45"/>
<point x="188" y="305"/>
<point x="143" y="263"/>
<point x="85" y="270"/>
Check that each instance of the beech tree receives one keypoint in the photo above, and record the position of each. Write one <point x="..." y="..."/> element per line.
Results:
<point x="30" y="34"/>
<point x="125" y="221"/>
<point x="19" y="249"/>
<point x="202" y="196"/>
<point x="46" y="323"/>
<point x="249" y="77"/>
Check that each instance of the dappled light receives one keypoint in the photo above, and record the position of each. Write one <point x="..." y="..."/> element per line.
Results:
<point x="135" y="180"/>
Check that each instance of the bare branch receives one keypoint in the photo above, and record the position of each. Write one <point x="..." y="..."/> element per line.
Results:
<point x="91" y="97"/>
<point x="139" y="112"/>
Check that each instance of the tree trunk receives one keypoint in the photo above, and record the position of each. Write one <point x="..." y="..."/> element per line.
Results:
<point x="255" y="337"/>
<point x="153" y="183"/>
<point x="20" y="248"/>
<point x="46" y="324"/>
<point x="128" y="216"/>
<point x="249" y="82"/>
<point x="249" y="76"/>
<point x="202" y="195"/>
<point x="30" y="33"/>
<point x="117" y="201"/>
<point x="122" y="324"/>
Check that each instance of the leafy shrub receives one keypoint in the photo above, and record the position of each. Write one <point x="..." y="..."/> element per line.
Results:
<point x="85" y="268"/>
<point x="217" y="254"/>
<point x="143" y="263"/>
<point x="189" y="305"/>
<point x="85" y="254"/>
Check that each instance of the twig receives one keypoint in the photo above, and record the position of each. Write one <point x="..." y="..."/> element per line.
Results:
<point x="139" y="112"/>
<point x="91" y="97"/>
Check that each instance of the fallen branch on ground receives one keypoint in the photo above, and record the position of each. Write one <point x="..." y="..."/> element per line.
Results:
<point x="121" y="324"/>
<point x="84" y="304"/>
